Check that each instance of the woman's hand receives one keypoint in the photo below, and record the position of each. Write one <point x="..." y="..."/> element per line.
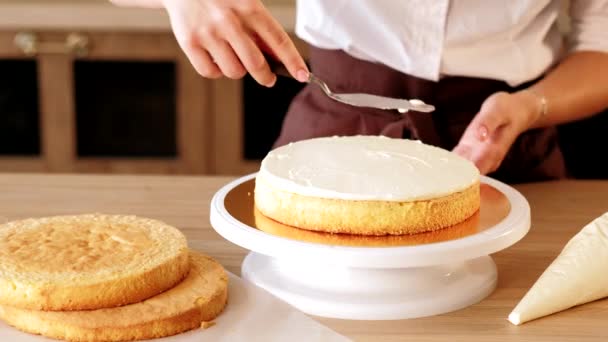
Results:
<point x="501" y="119"/>
<point x="227" y="37"/>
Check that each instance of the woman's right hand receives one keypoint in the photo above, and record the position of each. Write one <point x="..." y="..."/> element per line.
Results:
<point x="229" y="38"/>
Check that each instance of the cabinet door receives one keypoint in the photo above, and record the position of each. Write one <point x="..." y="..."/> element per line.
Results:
<point x="153" y="96"/>
<point x="20" y="148"/>
<point x="120" y="102"/>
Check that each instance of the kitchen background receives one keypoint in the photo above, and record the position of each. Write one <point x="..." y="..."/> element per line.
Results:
<point x="89" y="87"/>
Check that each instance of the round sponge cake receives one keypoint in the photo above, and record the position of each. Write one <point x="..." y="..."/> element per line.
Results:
<point x="368" y="185"/>
<point x="200" y="297"/>
<point x="88" y="261"/>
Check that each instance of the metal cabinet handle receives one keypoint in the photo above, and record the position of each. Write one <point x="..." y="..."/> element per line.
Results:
<point x="75" y="43"/>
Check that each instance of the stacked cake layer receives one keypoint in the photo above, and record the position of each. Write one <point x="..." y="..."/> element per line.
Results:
<point x="105" y="277"/>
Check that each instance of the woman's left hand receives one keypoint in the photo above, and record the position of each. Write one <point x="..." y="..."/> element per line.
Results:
<point x="501" y="119"/>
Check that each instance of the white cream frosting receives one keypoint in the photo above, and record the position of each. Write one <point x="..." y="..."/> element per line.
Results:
<point x="367" y="168"/>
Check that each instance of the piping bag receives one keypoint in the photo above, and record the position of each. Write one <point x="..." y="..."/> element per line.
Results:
<point x="577" y="276"/>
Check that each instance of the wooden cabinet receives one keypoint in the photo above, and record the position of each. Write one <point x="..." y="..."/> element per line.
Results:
<point x="90" y="87"/>
<point x="72" y="85"/>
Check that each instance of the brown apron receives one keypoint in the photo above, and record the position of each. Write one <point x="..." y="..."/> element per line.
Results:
<point x="534" y="156"/>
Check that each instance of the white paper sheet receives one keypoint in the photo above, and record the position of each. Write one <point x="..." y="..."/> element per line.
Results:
<point x="252" y="314"/>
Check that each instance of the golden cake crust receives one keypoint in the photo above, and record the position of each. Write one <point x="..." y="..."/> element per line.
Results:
<point x="366" y="217"/>
<point x="88" y="261"/>
<point x="200" y="297"/>
<point x="465" y="228"/>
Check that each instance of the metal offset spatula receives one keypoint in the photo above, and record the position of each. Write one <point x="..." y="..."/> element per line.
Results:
<point x="359" y="99"/>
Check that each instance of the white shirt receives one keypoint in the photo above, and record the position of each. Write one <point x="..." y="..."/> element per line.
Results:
<point x="509" y="40"/>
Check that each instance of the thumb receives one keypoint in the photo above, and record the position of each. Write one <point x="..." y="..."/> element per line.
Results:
<point x="490" y="117"/>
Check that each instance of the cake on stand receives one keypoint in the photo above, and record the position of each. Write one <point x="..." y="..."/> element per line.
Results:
<point x="373" y="278"/>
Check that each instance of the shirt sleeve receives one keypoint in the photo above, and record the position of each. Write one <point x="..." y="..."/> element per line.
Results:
<point x="589" y="25"/>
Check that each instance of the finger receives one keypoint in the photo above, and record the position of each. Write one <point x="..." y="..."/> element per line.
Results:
<point x="485" y="158"/>
<point x="495" y="166"/>
<point x="222" y="53"/>
<point x="486" y="124"/>
<point x="463" y="150"/>
<point x="466" y="151"/>
<point x="278" y="41"/>
<point x="490" y="118"/>
<point x="190" y="45"/>
<point x="226" y="59"/>
<point x="250" y="55"/>
<point x="202" y="62"/>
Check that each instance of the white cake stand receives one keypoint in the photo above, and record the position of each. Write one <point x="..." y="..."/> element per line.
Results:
<point x="374" y="283"/>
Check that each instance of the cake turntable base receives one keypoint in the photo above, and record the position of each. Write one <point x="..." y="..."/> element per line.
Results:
<point x="373" y="278"/>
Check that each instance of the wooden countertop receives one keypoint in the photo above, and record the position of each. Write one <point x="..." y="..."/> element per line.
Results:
<point x="559" y="210"/>
<point x="99" y="15"/>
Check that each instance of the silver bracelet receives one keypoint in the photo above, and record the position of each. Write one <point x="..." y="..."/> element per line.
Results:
<point x="544" y="106"/>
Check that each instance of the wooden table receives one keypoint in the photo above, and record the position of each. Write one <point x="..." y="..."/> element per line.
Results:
<point x="559" y="210"/>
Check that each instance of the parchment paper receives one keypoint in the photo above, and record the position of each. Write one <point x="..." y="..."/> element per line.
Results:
<point x="252" y="314"/>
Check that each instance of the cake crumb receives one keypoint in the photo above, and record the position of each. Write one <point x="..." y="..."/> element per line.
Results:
<point x="205" y="325"/>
